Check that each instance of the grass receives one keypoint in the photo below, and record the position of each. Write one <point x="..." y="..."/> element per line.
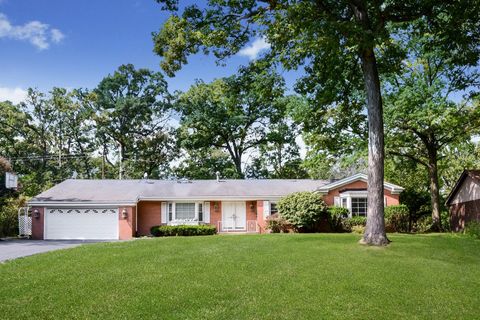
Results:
<point x="309" y="276"/>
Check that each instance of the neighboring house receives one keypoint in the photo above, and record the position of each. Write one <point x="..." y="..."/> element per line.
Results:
<point x="464" y="200"/>
<point x="122" y="209"/>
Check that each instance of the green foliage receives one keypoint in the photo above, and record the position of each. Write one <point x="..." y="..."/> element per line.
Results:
<point x="349" y="224"/>
<point x="397" y="218"/>
<point x="472" y="229"/>
<point x="425" y="224"/>
<point x="183" y="230"/>
<point x="445" y="221"/>
<point x="358" y="229"/>
<point x="244" y="112"/>
<point x="278" y="224"/>
<point x="9" y="215"/>
<point x="302" y="209"/>
<point x="131" y="108"/>
<point x="335" y="217"/>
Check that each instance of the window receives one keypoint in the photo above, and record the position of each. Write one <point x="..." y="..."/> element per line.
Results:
<point x="184" y="211"/>
<point x="359" y="206"/>
<point x="273" y="208"/>
<point x="344" y="203"/>
<point x="200" y="212"/>
<point x="170" y="211"/>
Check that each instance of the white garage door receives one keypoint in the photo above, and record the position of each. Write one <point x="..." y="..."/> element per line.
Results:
<point x="72" y="223"/>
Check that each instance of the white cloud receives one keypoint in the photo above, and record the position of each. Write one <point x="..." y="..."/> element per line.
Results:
<point x="56" y="35"/>
<point x="15" y="95"/>
<point x="37" y="33"/>
<point x="252" y="51"/>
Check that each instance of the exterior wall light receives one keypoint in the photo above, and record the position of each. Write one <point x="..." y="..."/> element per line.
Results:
<point x="36" y="214"/>
<point x="252" y="206"/>
<point x="124" y="213"/>
<point x="215" y="206"/>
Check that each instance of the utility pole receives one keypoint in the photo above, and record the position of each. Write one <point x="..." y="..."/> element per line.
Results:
<point x="121" y="156"/>
<point x="103" y="163"/>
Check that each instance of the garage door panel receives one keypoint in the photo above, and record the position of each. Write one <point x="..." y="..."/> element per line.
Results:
<point x="77" y="223"/>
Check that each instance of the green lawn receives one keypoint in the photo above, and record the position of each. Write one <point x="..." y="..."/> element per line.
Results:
<point x="309" y="276"/>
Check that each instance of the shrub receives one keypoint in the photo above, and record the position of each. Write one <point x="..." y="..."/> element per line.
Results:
<point x="302" y="209"/>
<point x="424" y="224"/>
<point x="183" y="230"/>
<point x="445" y="221"/>
<point x="397" y="218"/>
<point x="358" y="229"/>
<point x="277" y="224"/>
<point x="335" y="216"/>
<point x="9" y="216"/>
<point x="349" y="224"/>
<point x="472" y="229"/>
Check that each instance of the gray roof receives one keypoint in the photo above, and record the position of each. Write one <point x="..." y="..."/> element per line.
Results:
<point x="130" y="191"/>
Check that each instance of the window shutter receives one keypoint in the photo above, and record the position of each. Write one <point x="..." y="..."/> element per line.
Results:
<point x="164" y="212"/>
<point x="336" y="202"/>
<point x="206" y="212"/>
<point x="266" y="209"/>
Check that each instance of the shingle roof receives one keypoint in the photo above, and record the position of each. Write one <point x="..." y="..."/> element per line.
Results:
<point x="130" y="191"/>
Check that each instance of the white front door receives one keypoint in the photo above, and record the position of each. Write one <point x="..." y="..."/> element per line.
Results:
<point x="234" y="216"/>
<point x="81" y="223"/>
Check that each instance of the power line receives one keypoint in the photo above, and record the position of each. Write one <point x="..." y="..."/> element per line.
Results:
<point x="49" y="157"/>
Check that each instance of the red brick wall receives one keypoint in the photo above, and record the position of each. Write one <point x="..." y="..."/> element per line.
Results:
<point x="37" y="223"/>
<point x="392" y="199"/>
<point x="261" y="222"/>
<point x="462" y="213"/>
<point x="126" y="226"/>
<point x="251" y="207"/>
<point x="149" y="214"/>
<point x="215" y="214"/>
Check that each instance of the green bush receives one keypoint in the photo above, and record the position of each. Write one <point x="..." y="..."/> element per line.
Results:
<point x="349" y="224"/>
<point x="335" y="217"/>
<point x="445" y="221"/>
<point x="358" y="229"/>
<point x="9" y="216"/>
<point x="397" y="218"/>
<point x="302" y="209"/>
<point x="183" y="230"/>
<point x="472" y="229"/>
<point x="423" y="224"/>
<point x="277" y="224"/>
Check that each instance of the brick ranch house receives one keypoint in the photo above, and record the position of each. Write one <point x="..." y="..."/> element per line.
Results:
<point x="122" y="209"/>
<point x="463" y="201"/>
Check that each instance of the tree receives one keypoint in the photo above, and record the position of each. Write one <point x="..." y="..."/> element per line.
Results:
<point x="234" y="114"/>
<point x="456" y="158"/>
<point x="279" y="157"/>
<point x="131" y="108"/>
<point x="339" y="42"/>
<point x="421" y="118"/>
<point x="204" y="163"/>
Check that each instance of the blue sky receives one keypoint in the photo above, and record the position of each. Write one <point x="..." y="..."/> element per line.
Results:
<point x="73" y="44"/>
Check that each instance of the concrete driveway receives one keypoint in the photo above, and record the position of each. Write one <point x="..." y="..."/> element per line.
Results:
<point x="12" y="249"/>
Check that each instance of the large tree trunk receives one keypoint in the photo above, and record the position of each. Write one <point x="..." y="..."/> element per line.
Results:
<point x="375" y="229"/>
<point x="238" y="166"/>
<point x="434" y="189"/>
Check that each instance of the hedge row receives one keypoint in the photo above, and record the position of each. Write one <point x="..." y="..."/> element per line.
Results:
<point x="169" y="231"/>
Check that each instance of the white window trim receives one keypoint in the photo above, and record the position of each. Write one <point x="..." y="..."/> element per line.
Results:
<point x="349" y="195"/>
<point x="174" y="211"/>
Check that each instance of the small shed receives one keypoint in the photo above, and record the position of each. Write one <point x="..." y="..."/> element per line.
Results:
<point x="464" y="200"/>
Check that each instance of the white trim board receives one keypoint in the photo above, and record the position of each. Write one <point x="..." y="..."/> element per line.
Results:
<point x="394" y="189"/>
